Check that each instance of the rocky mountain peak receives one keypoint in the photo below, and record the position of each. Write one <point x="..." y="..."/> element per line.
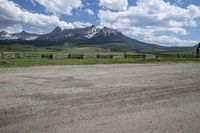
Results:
<point x="108" y="31"/>
<point x="92" y="26"/>
<point x="3" y="33"/>
<point x="57" y="29"/>
<point x="57" y="34"/>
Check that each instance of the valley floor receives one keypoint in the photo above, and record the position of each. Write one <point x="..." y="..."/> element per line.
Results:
<point x="117" y="98"/>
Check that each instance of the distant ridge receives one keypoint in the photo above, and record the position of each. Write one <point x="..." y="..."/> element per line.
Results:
<point x="88" y="36"/>
<point x="18" y="36"/>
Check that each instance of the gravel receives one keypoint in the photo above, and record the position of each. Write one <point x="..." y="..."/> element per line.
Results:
<point x="119" y="98"/>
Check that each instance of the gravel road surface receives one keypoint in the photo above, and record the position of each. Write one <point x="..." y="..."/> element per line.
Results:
<point x="125" y="98"/>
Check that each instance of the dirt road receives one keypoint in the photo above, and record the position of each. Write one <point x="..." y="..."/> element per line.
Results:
<point x="127" y="98"/>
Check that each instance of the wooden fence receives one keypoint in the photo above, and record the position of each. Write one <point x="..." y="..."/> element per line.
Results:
<point x="105" y="56"/>
<point x="175" y="55"/>
<point x="47" y="56"/>
<point x="134" y="56"/>
<point x="12" y="55"/>
<point x="76" y="56"/>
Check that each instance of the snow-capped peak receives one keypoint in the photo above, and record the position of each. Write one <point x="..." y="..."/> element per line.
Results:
<point x="92" y="31"/>
<point x="57" y="29"/>
<point x="107" y="31"/>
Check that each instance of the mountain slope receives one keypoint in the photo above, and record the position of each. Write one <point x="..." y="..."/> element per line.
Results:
<point x="76" y="34"/>
<point x="18" y="36"/>
<point x="82" y="37"/>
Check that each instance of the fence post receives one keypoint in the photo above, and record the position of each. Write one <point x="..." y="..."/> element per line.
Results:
<point x="157" y="56"/>
<point x="51" y="56"/>
<point x="2" y="55"/>
<point x="198" y="51"/>
<point x="125" y="55"/>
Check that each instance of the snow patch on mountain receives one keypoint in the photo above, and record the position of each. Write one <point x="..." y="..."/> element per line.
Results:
<point x="58" y="34"/>
<point x="91" y="32"/>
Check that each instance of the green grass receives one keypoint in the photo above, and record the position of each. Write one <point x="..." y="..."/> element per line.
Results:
<point x="67" y="48"/>
<point x="45" y="62"/>
<point x="27" y="55"/>
<point x="89" y="52"/>
<point x="182" y="52"/>
<point x="86" y="50"/>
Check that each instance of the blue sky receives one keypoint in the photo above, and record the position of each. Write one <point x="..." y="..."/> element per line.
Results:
<point x="165" y="22"/>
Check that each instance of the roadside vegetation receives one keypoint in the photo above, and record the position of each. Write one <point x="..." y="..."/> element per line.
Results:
<point x="45" y="62"/>
<point x="17" y="56"/>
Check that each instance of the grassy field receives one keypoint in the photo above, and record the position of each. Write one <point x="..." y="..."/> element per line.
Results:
<point x="88" y="52"/>
<point x="70" y="50"/>
<point x="183" y="52"/>
<point x="24" y="57"/>
<point x="45" y="62"/>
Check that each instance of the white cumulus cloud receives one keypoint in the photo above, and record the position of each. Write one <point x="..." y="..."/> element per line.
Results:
<point x="13" y="18"/>
<point x="89" y="11"/>
<point x="60" y="6"/>
<point x="114" y="4"/>
<point x="78" y="24"/>
<point x="152" y="18"/>
<point x="170" y="41"/>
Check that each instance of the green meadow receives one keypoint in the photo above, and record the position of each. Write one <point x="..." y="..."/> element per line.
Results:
<point x="45" y="62"/>
<point x="17" y="56"/>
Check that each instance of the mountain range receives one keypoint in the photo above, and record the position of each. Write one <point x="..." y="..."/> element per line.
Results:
<point x="81" y="37"/>
<point x="18" y="36"/>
